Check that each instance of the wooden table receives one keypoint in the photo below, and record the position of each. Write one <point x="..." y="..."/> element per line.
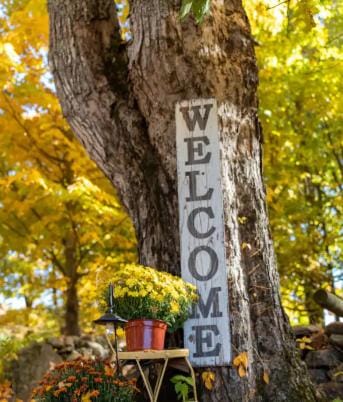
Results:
<point x="164" y="356"/>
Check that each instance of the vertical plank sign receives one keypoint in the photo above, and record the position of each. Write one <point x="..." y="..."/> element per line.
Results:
<point x="207" y="333"/>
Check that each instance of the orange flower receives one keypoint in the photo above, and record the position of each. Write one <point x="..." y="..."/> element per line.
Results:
<point x="109" y="371"/>
<point x="94" y="393"/>
<point x="40" y="391"/>
<point x="59" y="391"/>
<point x="77" y="392"/>
<point x="94" y="372"/>
<point x="71" y="378"/>
<point x="5" y="390"/>
<point x="98" y="379"/>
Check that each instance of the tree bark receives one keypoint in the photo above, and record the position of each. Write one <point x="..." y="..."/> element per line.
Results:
<point x="71" y="316"/>
<point x="70" y="272"/>
<point x="119" y="99"/>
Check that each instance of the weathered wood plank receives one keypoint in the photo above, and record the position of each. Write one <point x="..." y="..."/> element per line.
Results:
<point x="202" y="230"/>
<point x="154" y="354"/>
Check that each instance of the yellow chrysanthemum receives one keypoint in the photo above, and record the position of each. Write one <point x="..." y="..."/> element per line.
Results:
<point x="174" y="307"/>
<point x="158" y="294"/>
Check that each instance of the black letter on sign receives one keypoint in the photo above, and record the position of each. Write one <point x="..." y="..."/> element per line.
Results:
<point x="199" y="149"/>
<point x="212" y="300"/>
<point x="200" y="340"/>
<point x="213" y="263"/>
<point x="197" y="118"/>
<point x="193" y="188"/>
<point x="190" y="222"/>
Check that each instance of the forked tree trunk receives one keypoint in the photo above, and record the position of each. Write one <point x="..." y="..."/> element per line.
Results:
<point x="120" y="102"/>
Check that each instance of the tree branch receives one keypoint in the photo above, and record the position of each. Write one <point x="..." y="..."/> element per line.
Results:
<point x="94" y="94"/>
<point x="57" y="263"/>
<point x="13" y="113"/>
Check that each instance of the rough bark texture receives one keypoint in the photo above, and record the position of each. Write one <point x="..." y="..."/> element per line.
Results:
<point x="71" y="316"/>
<point x="120" y="102"/>
<point x="69" y="269"/>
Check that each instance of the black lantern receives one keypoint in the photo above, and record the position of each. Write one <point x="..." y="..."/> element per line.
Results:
<point x="111" y="318"/>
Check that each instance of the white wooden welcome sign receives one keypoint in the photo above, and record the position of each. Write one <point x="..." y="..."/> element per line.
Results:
<point x="207" y="333"/>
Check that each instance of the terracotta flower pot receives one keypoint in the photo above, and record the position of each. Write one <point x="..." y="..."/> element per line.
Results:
<point x="145" y="334"/>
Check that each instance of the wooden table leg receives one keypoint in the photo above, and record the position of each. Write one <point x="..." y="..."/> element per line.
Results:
<point x="153" y="394"/>
<point x="159" y="380"/>
<point x="146" y="382"/>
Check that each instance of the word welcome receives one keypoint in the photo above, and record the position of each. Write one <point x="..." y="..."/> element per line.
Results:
<point x="207" y="332"/>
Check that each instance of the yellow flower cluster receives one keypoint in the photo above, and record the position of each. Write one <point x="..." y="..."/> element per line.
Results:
<point x="138" y="281"/>
<point x="157" y="293"/>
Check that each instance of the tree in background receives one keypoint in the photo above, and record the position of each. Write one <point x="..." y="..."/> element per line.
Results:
<point x="300" y="60"/>
<point x="60" y="219"/>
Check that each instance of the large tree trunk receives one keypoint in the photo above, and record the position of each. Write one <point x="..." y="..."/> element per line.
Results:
<point x="120" y="102"/>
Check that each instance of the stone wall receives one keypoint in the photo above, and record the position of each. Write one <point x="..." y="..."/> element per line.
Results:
<point x="322" y="351"/>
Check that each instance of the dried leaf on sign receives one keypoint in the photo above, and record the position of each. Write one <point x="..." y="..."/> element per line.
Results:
<point x="208" y="377"/>
<point x="266" y="377"/>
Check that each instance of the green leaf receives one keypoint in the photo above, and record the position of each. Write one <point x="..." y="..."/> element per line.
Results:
<point x="200" y="9"/>
<point x="182" y="390"/>
<point x="180" y="378"/>
<point x="185" y="8"/>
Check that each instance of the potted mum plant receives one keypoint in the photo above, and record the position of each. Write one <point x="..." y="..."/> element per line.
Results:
<point x="84" y="380"/>
<point x="151" y="301"/>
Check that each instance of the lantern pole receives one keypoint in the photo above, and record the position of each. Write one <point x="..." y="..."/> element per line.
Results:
<point x="110" y="317"/>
